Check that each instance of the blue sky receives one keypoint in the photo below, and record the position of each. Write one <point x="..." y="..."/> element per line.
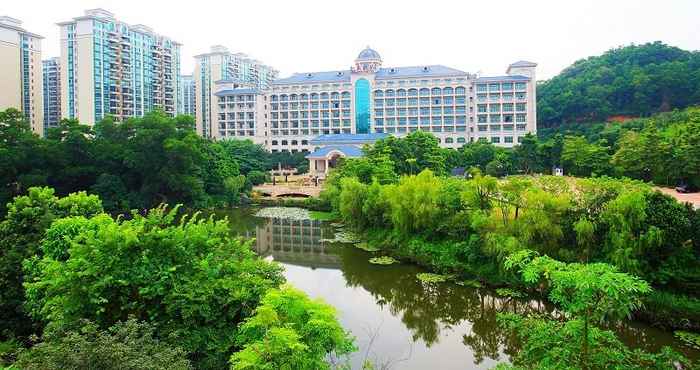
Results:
<point x="315" y="35"/>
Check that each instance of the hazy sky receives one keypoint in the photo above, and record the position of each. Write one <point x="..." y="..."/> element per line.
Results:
<point x="317" y="35"/>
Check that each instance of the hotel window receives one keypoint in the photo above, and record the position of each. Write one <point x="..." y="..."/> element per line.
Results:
<point x="507" y="86"/>
<point x="461" y="140"/>
<point x="412" y="101"/>
<point x="390" y="111"/>
<point x="520" y="127"/>
<point x="508" y="107"/>
<point x="520" y="117"/>
<point x="460" y="109"/>
<point x="447" y="91"/>
<point x="495" y="118"/>
<point x="448" y="110"/>
<point x="520" y="86"/>
<point x="389" y="102"/>
<point x="508" y="118"/>
<point x="303" y="97"/>
<point x="389" y="93"/>
<point x="425" y="111"/>
<point x="390" y="121"/>
<point x="494" y="97"/>
<point x="520" y="96"/>
<point x="314" y="96"/>
<point x="413" y="121"/>
<point x="424" y="92"/>
<point x="436" y="120"/>
<point x="412" y="111"/>
<point x="424" y="120"/>
<point x="460" y="90"/>
<point x="436" y="110"/>
<point x="508" y="96"/>
<point x="324" y="96"/>
<point x="481" y="97"/>
<point x="460" y="100"/>
<point x="507" y="127"/>
<point x="495" y="139"/>
<point x="483" y="128"/>
<point x="482" y="118"/>
<point x="481" y="108"/>
<point x="448" y="140"/>
<point x="335" y="96"/>
<point x="412" y="92"/>
<point x="508" y="139"/>
<point x="402" y="121"/>
<point x="494" y="108"/>
<point x="520" y="107"/>
<point x="345" y="95"/>
<point x="424" y="101"/>
<point x="314" y="105"/>
<point x="437" y="129"/>
<point x="402" y="112"/>
<point x="378" y="93"/>
<point x="447" y="100"/>
<point x="495" y="128"/>
<point x="401" y="93"/>
<point x="494" y="87"/>
<point x="401" y="102"/>
<point x="461" y="120"/>
<point x="437" y="101"/>
<point x="436" y="91"/>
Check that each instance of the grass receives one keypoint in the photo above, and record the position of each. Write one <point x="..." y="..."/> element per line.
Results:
<point x="322" y="216"/>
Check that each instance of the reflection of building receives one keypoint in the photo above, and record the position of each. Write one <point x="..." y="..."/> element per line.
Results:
<point x="296" y="242"/>
<point x="455" y="106"/>
<point x="20" y="72"/>
<point x="52" y="93"/>
<point x="330" y="148"/>
<point x="113" y="68"/>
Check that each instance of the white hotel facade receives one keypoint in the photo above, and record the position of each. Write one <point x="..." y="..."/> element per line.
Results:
<point x="455" y="106"/>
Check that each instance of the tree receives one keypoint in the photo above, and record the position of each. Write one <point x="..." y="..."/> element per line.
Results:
<point x="290" y="331"/>
<point x="590" y="293"/>
<point x="126" y="345"/>
<point x="526" y="155"/>
<point x="189" y="279"/>
<point x="581" y="158"/>
<point x="21" y="232"/>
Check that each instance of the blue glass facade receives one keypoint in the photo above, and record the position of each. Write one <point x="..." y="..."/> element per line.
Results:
<point x="362" y="107"/>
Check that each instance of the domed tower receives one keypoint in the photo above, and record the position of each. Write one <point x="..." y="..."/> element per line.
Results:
<point x="367" y="61"/>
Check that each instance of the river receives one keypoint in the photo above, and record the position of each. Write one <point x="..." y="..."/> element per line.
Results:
<point x="399" y="322"/>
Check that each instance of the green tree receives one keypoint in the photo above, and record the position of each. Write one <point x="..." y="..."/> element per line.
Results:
<point x="126" y="345"/>
<point x="590" y="293"/>
<point x="189" y="279"/>
<point x="21" y="232"/>
<point x="290" y="331"/>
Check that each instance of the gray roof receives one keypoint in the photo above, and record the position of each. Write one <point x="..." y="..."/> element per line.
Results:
<point x="356" y="139"/>
<point x="368" y="54"/>
<point x="418" y="71"/>
<point x="315" y="77"/>
<point x="237" y="92"/>
<point x="382" y="74"/>
<point x="503" y="78"/>
<point x="523" y="63"/>
<point x="348" y="150"/>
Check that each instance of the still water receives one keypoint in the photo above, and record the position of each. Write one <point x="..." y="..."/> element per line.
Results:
<point x="398" y="321"/>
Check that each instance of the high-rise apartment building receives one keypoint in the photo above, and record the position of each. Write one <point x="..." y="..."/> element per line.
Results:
<point x="52" y="92"/>
<point x="187" y="95"/>
<point x="455" y="106"/>
<point x="113" y="68"/>
<point x="20" y="72"/>
<point x="224" y="67"/>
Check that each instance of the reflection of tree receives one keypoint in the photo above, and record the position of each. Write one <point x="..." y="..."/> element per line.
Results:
<point x="426" y="309"/>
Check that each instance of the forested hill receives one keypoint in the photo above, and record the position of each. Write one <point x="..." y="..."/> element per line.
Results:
<point x="635" y="80"/>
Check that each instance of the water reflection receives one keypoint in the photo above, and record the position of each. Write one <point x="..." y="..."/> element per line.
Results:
<point x="396" y="318"/>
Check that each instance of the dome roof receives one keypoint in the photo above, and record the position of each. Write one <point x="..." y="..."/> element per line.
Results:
<point x="368" y="54"/>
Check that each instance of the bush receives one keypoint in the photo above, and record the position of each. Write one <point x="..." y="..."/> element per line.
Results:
<point x="188" y="279"/>
<point x="257" y="177"/>
<point x="126" y="345"/>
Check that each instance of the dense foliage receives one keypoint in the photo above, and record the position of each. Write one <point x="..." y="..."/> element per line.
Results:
<point x="290" y="331"/>
<point x="153" y="290"/>
<point x="21" y="232"/>
<point x="470" y="226"/>
<point x="138" y="163"/>
<point x="126" y="345"/>
<point x="635" y="80"/>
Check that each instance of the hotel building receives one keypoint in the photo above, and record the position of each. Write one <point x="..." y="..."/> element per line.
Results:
<point x="186" y="98"/>
<point x="52" y="93"/>
<point x="20" y="72"/>
<point x="455" y="106"/>
<point x="113" y="68"/>
<point x="220" y="70"/>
